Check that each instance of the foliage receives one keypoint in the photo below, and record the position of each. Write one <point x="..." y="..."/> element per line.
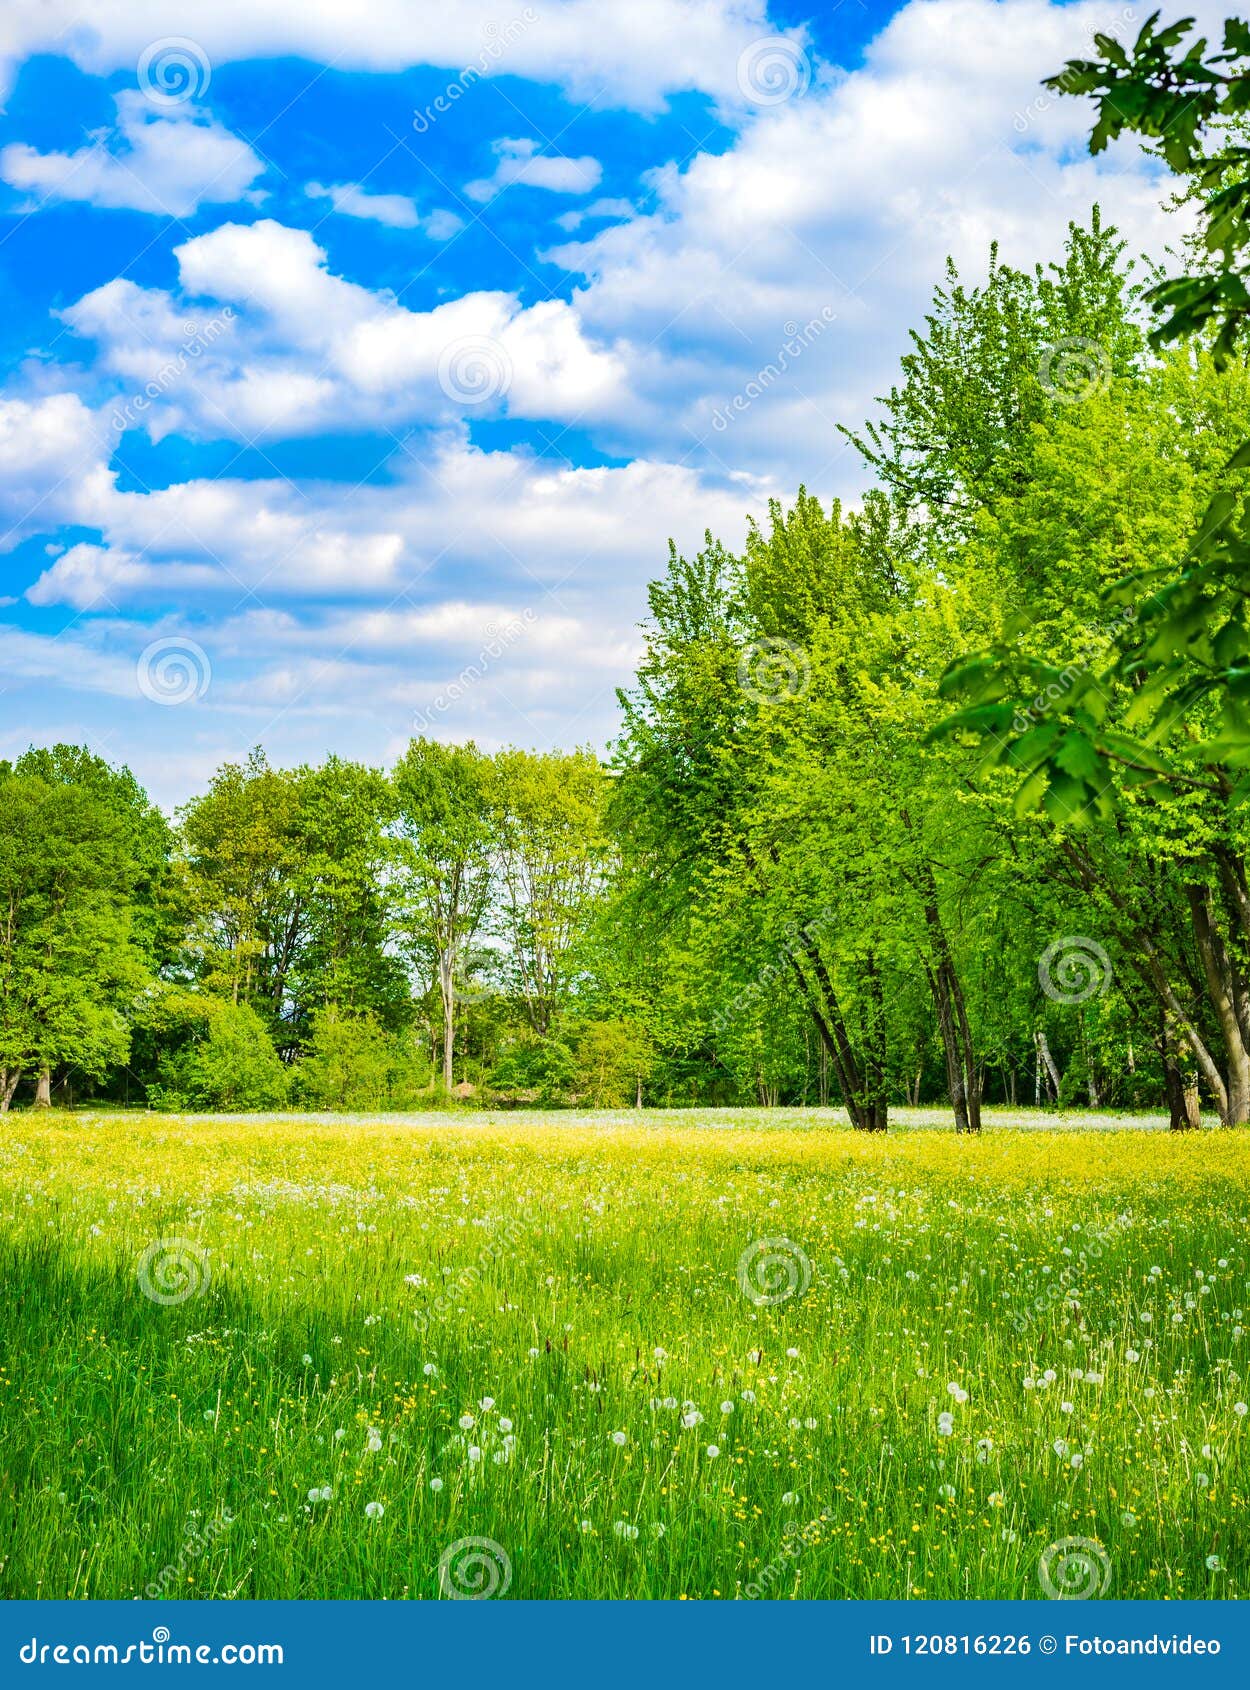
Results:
<point x="352" y="1062"/>
<point x="217" y="1055"/>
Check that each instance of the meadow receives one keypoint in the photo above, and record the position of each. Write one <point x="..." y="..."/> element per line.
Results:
<point x="683" y="1355"/>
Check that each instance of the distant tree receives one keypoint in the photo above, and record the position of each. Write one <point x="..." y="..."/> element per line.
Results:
<point x="443" y="833"/>
<point x="550" y="847"/>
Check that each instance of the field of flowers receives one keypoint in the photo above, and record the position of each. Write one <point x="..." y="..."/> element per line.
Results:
<point x="667" y="1355"/>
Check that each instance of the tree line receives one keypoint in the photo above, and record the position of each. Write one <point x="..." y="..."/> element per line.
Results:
<point x="854" y="844"/>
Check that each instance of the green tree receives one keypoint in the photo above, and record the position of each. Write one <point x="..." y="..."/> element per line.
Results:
<point x="444" y="841"/>
<point x="81" y="853"/>
<point x="550" y="850"/>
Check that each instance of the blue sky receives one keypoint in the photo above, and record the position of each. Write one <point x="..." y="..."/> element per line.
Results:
<point x="359" y="364"/>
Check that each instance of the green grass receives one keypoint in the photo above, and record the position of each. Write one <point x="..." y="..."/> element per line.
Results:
<point x="584" y="1274"/>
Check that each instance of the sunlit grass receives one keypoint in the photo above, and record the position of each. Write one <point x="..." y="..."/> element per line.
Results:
<point x="583" y="1277"/>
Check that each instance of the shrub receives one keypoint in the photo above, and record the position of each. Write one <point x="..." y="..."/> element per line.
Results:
<point x="353" y="1063"/>
<point x="224" y="1060"/>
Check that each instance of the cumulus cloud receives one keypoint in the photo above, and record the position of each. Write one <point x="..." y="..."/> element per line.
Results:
<point x="521" y="164"/>
<point x="768" y="295"/>
<point x="305" y="350"/>
<point x="165" y="160"/>
<point x="457" y="514"/>
<point x="590" y="48"/>
<point x="596" y="212"/>
<point x="88" y="577"/>
<point x="397" y="211"/>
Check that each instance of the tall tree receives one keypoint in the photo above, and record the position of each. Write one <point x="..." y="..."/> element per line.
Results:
<point x="81" y="854"/>
<point x="551" y="849"/>
<point x="444" y="840"/>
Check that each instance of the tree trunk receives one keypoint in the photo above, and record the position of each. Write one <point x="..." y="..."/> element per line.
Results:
<point x="1227" y="996"/>
<point x="9" y="1080"/>
<point x="863" y="1100"/>
<point x="1046" y="1063"/>
<point x="43" y="1089"/>
<point x="447" y="986"/>
<point x="1179" y="1082"/>
<point x="962" y="1080"/>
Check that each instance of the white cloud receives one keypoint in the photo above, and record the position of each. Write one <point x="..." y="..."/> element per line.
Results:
<point x="90" y="577"/>
<point x="304" y="350"/>
<point x="595" y="212"/>
<point x="845" y="203"/>
<point x="397" y="211"/>
<point x="167" y="161"/>
<point x="521" y="164"/>
<point x="52" y="455"/>
<point x="457" y="514"/>
<point x="591" y="48"/>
